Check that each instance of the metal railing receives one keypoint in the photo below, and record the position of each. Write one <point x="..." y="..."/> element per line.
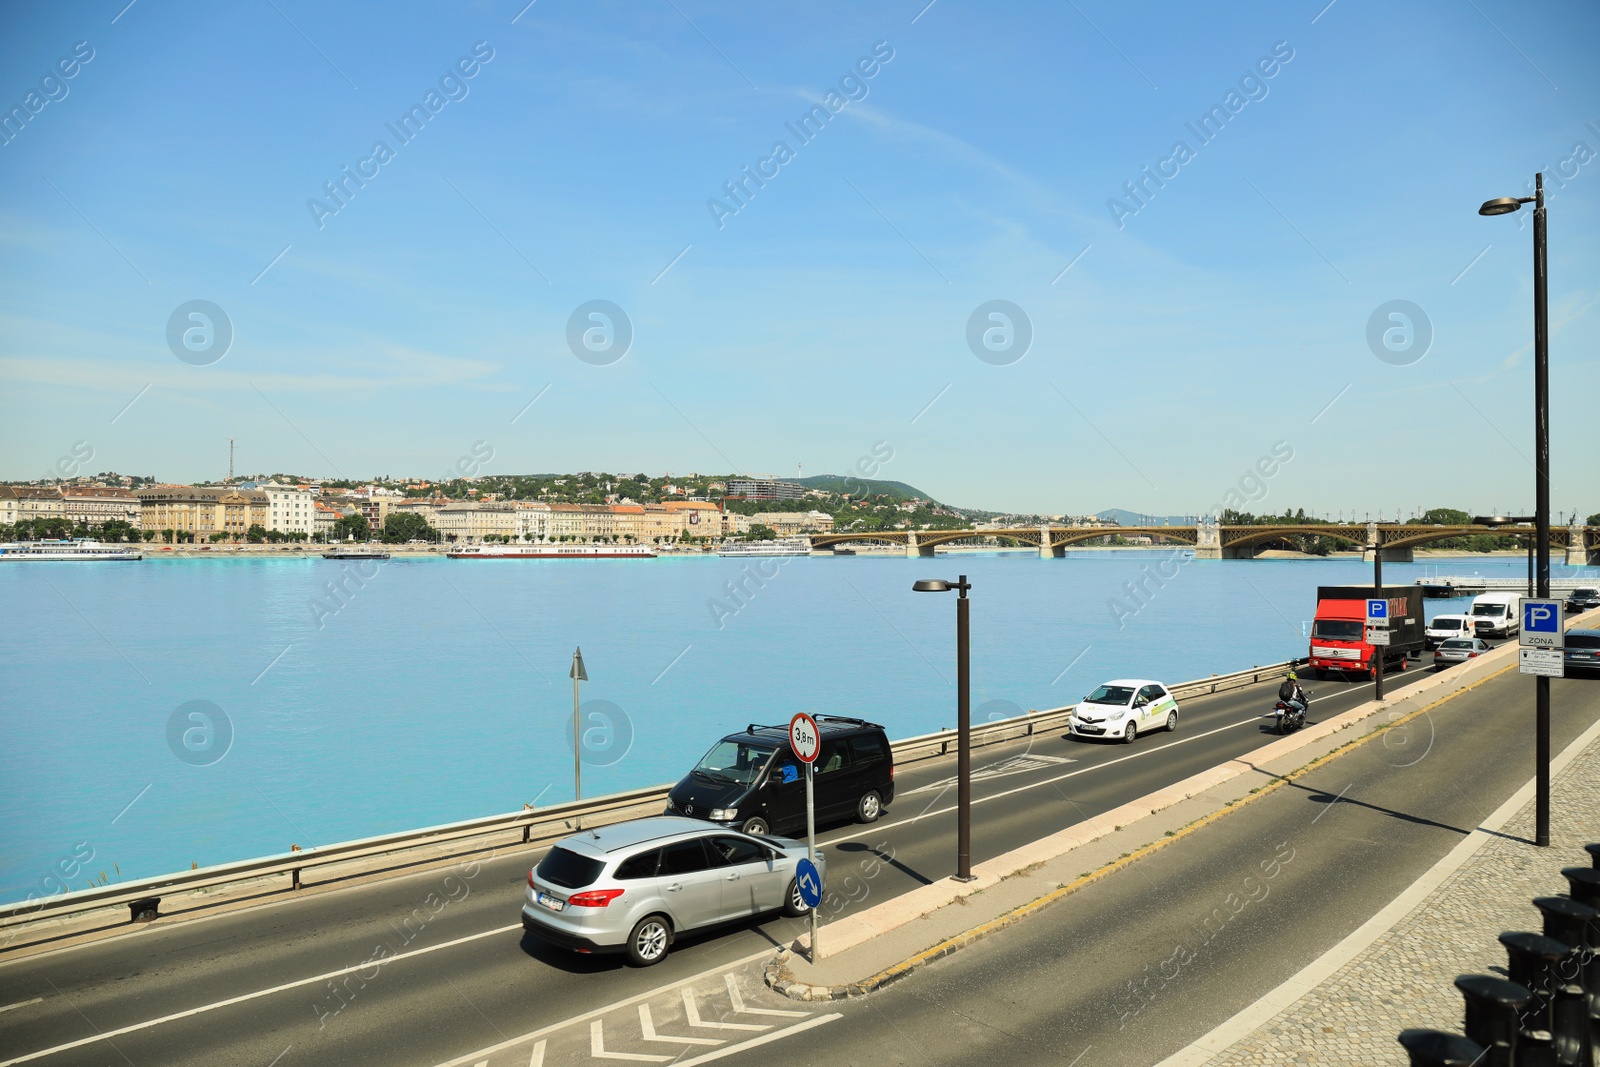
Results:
<point x="1546" y="1013"/>
<point x="535" y="825"/>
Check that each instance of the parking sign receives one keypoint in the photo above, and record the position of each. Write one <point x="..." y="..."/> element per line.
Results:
<point x="1542" y="624"/>
<point x="1377" y="611"/>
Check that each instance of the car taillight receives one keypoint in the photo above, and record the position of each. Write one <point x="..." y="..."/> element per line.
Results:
<point x="595" y="898"/>
<point x="530" y="877"/>
<point x="1472" y="655"/>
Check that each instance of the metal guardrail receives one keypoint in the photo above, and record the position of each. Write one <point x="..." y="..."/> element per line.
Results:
<point x="536" y="825"/>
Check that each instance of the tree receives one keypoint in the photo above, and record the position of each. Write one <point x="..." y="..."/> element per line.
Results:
<point x="355" y="526"/>
<point x="759" y="532"/>
<point x="1593" y="520"/>
<point x="256" y="534"/>
<point x="219" y="536"/>
<point x="149" y="535"/>
<point x="403" y="526"/>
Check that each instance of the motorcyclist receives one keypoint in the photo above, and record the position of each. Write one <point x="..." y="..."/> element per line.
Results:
<point x="1291" y="694"/>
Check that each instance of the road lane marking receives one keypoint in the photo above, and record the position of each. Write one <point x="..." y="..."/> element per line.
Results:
<point x="597" y="1048"/>
<point x="647" y="1027"/>
<point x="242" y="998"/>
<point x="692" y="1010"/>
<point x="23" y="1003"/>
<point x="776" y="1035"/>
<point x="738" y="1003"/>
<point x="628" y="1002"/>
<point x="1048" y="781"/>
<point x="1022" y="764"/>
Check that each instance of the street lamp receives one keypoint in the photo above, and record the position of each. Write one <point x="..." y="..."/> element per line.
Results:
<point x="1541" y="505"/>
<point x="1511" y="520"/>
<point x="963" y="719"/>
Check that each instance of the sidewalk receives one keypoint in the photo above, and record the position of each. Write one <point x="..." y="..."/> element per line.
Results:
<point x="874" y="947"/>
<point x="1398" y="971"/>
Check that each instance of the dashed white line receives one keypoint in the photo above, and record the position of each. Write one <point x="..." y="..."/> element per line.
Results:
<point x="23" y="1003"/>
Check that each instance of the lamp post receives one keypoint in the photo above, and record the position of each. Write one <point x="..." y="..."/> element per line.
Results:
<point x="963" y="719"/>
<point x="1541" y="504"/>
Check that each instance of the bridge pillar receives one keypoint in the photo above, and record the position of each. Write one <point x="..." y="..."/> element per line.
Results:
<point x="1208" y="541"/>
<point x="915" y="550"/>
<point x="1583" y="547"/>
<point x="1046" y="549"/>
<point x="1390" y="555"/>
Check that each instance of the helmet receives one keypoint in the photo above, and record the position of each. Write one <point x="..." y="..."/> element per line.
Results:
<point x="1292" y="676"/>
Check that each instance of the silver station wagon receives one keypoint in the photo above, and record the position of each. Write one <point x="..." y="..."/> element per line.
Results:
<point x="634" y="886"/>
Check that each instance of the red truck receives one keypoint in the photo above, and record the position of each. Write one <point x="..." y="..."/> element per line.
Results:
<point x="1338" y="634"/>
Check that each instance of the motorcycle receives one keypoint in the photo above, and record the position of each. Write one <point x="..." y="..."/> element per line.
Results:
<point x="1288" y="718"/>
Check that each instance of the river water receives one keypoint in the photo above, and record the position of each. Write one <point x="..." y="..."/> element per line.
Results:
<point x="180" y="711"/>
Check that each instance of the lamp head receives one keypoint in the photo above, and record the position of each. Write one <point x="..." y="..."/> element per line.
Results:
<point x="1505" y="205"/>
<point x="931" y="585"/>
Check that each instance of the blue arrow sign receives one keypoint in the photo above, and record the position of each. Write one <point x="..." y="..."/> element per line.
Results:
<point x="810" y="883"/>
<point x="1377" y="609"/>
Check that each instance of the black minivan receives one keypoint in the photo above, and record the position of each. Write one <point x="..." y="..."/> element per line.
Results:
<point x="752" y="780"/>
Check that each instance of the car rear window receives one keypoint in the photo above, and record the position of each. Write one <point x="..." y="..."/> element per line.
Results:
<point x="568" y="869"/>
<point x="1457" y="642"/>
<point x="867" y="749"/>
<point x="1448" y="624"/>
<point x="1583" y="640"/>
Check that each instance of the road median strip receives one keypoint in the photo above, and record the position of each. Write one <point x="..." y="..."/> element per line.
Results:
<point x="922" y="903"/>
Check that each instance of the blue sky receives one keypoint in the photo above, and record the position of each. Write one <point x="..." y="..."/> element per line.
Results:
<point x="830" y="312"/>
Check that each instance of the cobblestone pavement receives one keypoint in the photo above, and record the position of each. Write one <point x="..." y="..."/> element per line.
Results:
<point x="1405" y="978"/>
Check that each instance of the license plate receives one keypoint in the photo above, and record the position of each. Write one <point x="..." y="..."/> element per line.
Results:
<point x="553" y="903"/>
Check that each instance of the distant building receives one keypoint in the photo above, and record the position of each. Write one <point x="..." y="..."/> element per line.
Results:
<point x="27" y="502"/>
<point x="794" y="523"/>
<point x="473" y="520"/>
<point x="290" y="509"/>
<point x="764" y="489"/>
<point x="202" y="510"/>
<point x="323" y="518"/>
<point x="95" y="505"/>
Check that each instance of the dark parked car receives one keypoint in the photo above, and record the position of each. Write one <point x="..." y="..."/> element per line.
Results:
<point x="1583" y="598"/>
<point x="751" y="780"/>
<point x="1583" y="651"/>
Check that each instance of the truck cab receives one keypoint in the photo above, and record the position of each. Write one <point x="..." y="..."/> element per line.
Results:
<point x="1338" y="633"/>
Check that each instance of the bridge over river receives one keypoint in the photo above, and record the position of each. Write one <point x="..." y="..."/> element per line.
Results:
<point x="1581" y="544"/>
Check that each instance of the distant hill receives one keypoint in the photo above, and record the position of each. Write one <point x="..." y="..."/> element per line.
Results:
<point x="1134" y="518"/>
<point x="840" y="483"/>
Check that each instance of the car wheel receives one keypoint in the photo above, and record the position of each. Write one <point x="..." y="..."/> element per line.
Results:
<point x="649" y="941"/>
<point x="756" y="825"/>
<point x="870" y="807"/>
<point x="1172" y="721"/>
<point x="794" y="905"/>
<point x="1129" y="732"/>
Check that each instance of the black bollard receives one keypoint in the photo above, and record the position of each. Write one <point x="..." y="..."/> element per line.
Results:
<point x="1533" y="960"/>
<point x="144" y="910"/>
<point x="1584" y="886"/>
<point x="1594" y="854"/>
<point x="1435" y="1048"/>
<point x="1567" y="921"/>
<point x="1493" y="1005"/>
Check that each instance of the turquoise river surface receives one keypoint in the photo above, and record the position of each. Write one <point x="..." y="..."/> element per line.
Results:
<point x="438" y="691"/>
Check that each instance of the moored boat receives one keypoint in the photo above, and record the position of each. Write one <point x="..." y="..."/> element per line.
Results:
<point x="77" y="550"/>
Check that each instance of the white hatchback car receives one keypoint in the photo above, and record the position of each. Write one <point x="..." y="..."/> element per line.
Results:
<point x="1125" y="708"/>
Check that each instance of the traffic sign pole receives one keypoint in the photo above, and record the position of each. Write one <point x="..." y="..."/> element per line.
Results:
<point x="805" y="740"/>
<point x="811" y="850"/>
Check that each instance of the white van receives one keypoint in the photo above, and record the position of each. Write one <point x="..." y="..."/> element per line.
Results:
<point x="1496" y="614"/>
<point x="1443" y="627"/>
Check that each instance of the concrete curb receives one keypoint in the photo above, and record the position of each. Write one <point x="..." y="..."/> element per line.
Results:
<point x="857" y="929"/>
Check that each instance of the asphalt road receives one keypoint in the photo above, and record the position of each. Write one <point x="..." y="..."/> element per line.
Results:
<point x="1134" y="967"/>
<point x="259" y="986"/>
